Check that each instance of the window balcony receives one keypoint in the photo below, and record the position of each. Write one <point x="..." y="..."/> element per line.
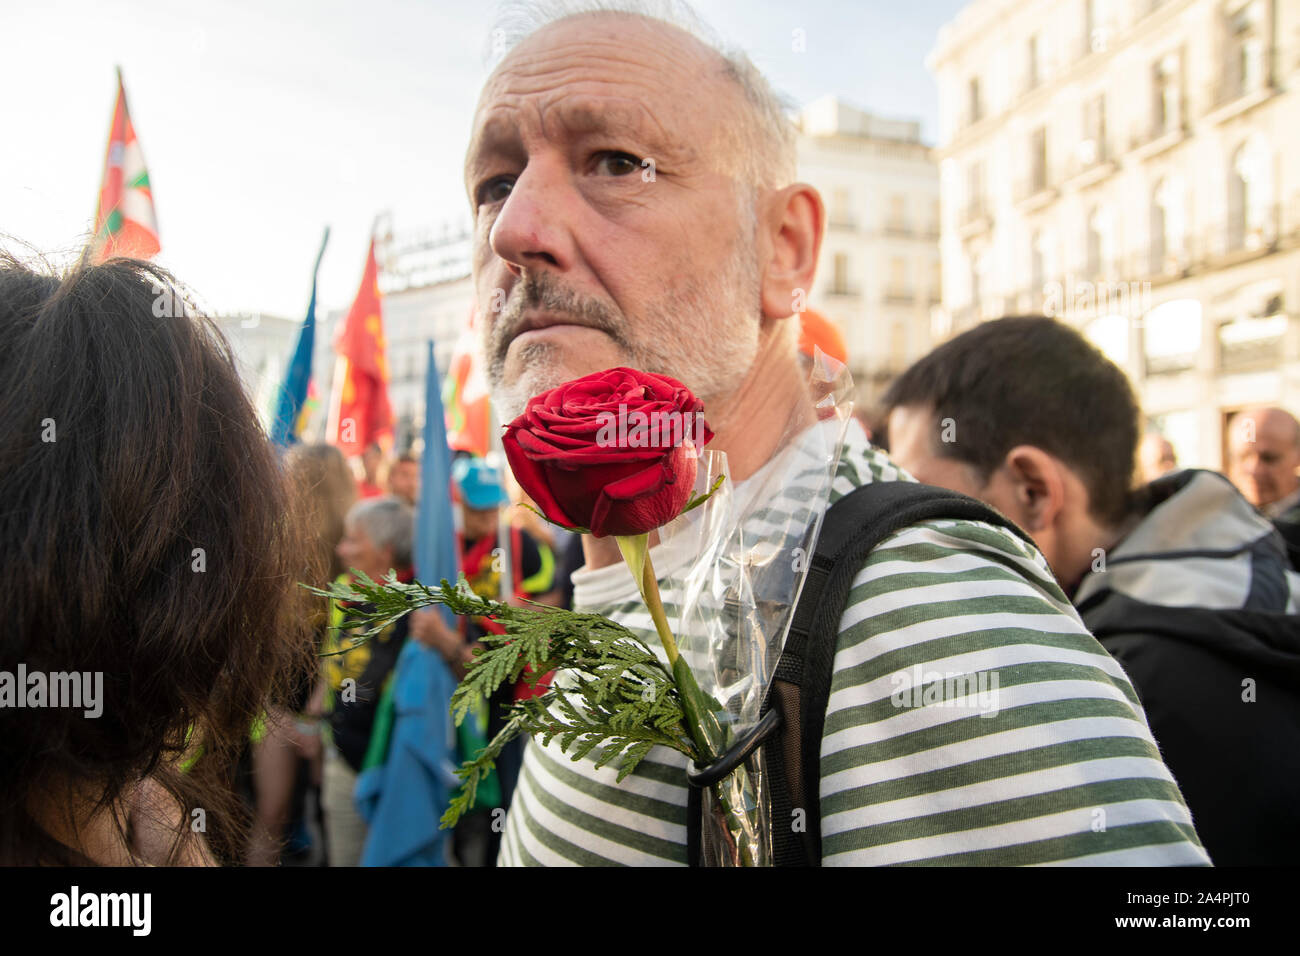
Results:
<point x="1154" y="138"/>
<point x="1231" y="95"/>
<point x="1036" y="191"/>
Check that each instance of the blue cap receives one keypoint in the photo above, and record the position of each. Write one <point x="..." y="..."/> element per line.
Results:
<point x="479" y="483"/>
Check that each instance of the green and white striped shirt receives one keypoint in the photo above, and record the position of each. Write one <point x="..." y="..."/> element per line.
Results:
<point x="1062" y="770"/>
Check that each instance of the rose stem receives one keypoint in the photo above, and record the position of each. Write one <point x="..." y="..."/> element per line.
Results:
<point x="650" y="594"/>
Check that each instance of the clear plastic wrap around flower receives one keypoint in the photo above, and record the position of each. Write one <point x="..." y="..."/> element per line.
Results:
<point x="750" y="546"/>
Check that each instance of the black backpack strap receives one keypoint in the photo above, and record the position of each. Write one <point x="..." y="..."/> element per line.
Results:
<point x="800" y="689"/>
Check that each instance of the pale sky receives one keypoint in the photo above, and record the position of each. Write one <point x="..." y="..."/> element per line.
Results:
<point x="261" y="122"/>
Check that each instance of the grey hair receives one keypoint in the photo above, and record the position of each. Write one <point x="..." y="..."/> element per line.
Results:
<point x="388" y="523"/>
<point x="767" y="143"/>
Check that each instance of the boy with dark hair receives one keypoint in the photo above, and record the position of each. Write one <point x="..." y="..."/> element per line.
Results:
<point x="1182" y="581"/>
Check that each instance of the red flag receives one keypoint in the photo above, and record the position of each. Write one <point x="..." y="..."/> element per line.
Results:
<point x="125" y="224"/>
<point x="363" y="412"/>
<point x="465" y="395"/>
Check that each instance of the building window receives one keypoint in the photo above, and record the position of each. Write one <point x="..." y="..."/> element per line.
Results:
<point x="1243" y="68"/>
<point x="1037" y="275"/>
<point x="840" y="280"/>
<point x="975" y="205"/>
<point x="898" y="291"/>
<point x="1038" y="159"/>
<point x="841" y="210"/>
<point x="897" y="214"/>
<point x="1253" y="341"/>
<point x="1032" y="69"/>
<point x="1167" y="95"/>
<point x="1171" y="336"/>
<point x="897" y="346"/>
<point x="1096" y="26"/>
<point x="1159" y="223"/>
<point x="1250" y="196"/>
<point x="1092" y="148"/>
<point x="1097" y="258"/>
<point x="1166" y="226"/>
<point x="975" y="103"/>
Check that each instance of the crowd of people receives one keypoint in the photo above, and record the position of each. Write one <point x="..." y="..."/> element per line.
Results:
<point x="1142" y="633"/>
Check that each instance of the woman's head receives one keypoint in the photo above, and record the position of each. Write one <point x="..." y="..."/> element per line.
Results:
<point x="145" y="535"/>
<point x="377" y="537"/>
<point x="324" y="489"/>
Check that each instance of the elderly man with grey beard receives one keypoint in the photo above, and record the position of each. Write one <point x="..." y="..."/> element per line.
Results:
<point x="635" y="203"/>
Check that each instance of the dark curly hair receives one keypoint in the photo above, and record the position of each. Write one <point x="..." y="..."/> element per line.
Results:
<point x="146" y="533"/>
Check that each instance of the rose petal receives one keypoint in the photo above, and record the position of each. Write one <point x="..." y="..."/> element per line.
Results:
<point x="533" y="479"/>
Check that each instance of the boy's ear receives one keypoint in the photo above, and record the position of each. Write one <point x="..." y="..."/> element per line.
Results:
<point x="1037" y="484"/>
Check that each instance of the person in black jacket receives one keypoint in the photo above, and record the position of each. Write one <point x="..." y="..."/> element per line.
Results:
<point x="1182" y="580"/>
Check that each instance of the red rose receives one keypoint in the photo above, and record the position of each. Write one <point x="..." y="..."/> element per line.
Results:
<point x="614" y="452"/>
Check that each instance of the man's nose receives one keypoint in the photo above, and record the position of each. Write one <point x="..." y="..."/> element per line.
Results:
<point x="533" y="229"/>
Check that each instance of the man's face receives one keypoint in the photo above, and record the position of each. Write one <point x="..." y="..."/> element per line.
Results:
<point x="1156" y="457"/>
<point x="404" y="481"/>
<point x="610" y="225"/>
<point x="480" y="522"/>
<point x="1263" y="457"/>
<point x="358" y="550"/>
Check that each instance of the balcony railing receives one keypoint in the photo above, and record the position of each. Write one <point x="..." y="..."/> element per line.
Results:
<point x="1156" y="131"/>
<point x="1232" y="86"/>
<point x="1084" y="160"/>
<point x="1042" y="182"/>
<point x="1219" y="244"/>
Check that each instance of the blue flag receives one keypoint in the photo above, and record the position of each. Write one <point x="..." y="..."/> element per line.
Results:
<point x="292" y="394"/>
<point x="404" y="799"/>
<point x="435" y="531"/>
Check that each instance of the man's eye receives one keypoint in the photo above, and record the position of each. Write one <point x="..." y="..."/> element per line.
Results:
<point x="495" y="189"/>
<point x="617" y="164"/>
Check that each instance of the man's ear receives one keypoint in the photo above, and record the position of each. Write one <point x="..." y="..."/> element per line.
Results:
<point x="1037" y="484"/>
<point x="795" y="219"/>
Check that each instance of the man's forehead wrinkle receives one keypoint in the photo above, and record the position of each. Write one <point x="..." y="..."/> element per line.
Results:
<point x="627" y="33"/>
<point x="649" y="62"/>
<point x="495" y="134"/>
